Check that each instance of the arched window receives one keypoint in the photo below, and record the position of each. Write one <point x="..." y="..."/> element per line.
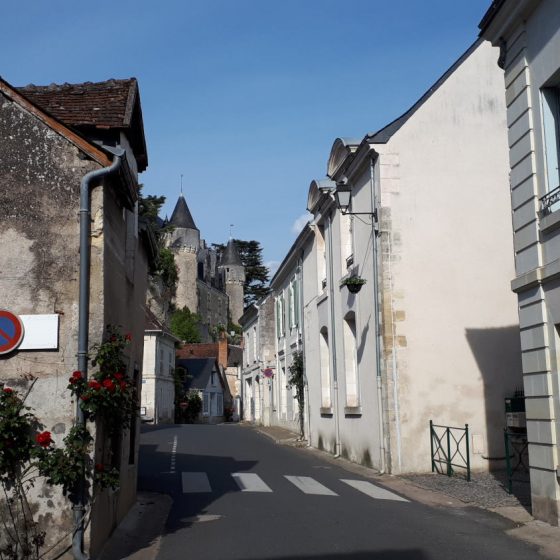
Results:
<point x="325" y="359"/>
<point x="350" y="361"/>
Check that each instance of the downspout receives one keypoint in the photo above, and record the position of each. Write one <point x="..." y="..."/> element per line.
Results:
<point x="378" y="333"/>
<point x="301" y="335"/>
<point x="333" y="342"/>
<point x="83" y="328"/>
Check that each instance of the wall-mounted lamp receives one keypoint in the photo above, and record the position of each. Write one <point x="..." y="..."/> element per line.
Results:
<point x="343" y="198"/>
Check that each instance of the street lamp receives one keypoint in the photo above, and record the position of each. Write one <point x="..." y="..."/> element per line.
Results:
<point x="343" y="198"/>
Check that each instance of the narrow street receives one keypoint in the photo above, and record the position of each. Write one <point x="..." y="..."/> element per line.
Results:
<point x="237" y="495"/>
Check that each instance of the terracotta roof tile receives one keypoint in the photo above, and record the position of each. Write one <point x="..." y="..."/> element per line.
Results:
<point x="106" y="104"/>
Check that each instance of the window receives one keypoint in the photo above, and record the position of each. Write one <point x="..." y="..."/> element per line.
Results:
<point x="350" y="361"/>
<point x="321" y="258"/>
<point x="551" y="126"/>
<point x="291" y="316"/>
<point x="280" y="320"/>
<point x="346" y="250"/>
<point x="325" y="368"/>
<point x="205" y="404"/>
<point x="254" y="344"/>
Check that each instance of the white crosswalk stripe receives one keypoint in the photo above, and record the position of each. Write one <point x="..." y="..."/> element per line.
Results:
<point x="250" y="482"/>
<point x="373" y="491"/>
<point x="309" y="485"/>
<point x="198" y="483"/>
<point x="195" y="483"/>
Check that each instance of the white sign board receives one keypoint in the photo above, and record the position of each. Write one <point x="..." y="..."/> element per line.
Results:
<point x="40" y="332"/>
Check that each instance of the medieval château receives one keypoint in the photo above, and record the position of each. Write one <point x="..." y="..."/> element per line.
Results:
<point x="210" y="284"/>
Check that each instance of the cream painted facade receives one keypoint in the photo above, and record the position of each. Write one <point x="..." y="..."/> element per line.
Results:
<point x="257" y="390"/>
<point x="528" y="34"/>
<point x="432" y="335"/>
<point x="158" y="386"/>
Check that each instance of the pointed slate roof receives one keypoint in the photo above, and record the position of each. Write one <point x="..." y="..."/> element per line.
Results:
<point x="231" y="256"/>
<point x="181" y="217"/>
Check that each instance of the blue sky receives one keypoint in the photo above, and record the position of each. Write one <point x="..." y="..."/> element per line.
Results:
<point x="244" y="97"/>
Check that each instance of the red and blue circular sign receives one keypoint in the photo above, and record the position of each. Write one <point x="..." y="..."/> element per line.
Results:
<point x="11" y="331"/>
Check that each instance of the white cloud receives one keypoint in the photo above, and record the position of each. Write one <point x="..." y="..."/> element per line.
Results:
<point x="272" y="267"/>
<point x="297" y="226"/>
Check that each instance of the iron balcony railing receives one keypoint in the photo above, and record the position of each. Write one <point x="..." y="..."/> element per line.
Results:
<point x="548" y="200"/>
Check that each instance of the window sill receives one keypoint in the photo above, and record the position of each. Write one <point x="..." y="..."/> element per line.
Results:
<point x="326" y="411"/>
<point x="352" y="411"/>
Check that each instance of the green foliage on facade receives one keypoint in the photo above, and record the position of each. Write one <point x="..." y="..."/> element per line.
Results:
<point x="297" y="380"/>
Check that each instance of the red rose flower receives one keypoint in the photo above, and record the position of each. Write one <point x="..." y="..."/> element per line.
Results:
<point x="119" y="375"/>
<point x="44" y="439"/>
<point x="99" y="467"/>
<point x="76" y="376"/>
<point x="8" y="391"/>
<point x="95" y="385"/>
<point x="128" y="337"/>
<point x="109" y="385"/>
<point x="122" y="385"/>
<point x="85" y="397"/>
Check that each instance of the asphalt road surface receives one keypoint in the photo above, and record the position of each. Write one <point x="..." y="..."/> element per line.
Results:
<point x="239" y="496"/>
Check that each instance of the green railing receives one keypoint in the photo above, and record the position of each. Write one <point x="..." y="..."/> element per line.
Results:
<point x="517" y="457"/>
<point x="450" y="449"/>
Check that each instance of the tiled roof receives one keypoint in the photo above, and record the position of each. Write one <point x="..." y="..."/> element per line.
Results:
<point x="106" y="104"/>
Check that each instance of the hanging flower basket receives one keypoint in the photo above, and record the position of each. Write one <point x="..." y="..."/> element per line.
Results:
<point x="353" y="283"/>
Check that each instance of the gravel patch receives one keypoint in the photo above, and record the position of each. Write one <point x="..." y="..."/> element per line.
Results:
<point x="486" y="490"/>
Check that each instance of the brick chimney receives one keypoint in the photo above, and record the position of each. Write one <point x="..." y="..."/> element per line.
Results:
<point x="223" y="350"/>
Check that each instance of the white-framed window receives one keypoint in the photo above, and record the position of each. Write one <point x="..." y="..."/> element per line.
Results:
<point x="551" y="131"/>
<point x="350" y="361"/>
<point x="325" y="363"/>
<point x="321" y="258"/>
<point x="280" y="317"/>
<point x="205" y="403"/>
<point x="346" y="242"/>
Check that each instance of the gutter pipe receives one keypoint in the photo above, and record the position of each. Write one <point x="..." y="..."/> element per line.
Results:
<point x="378" y="341"/>
<point x="333" y="340"/>
<point x="83" y="328"/>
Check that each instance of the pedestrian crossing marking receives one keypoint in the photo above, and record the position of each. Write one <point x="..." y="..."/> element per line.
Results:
<point x="373" y="491"/>
<point x="195" y="483"/>
<point x="309" y="485"/>
<point x="198" y="483"/>
<point x="250" y="482"/>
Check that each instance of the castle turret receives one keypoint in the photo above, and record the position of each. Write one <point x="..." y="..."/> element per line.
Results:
<point x="233" y="275"/>
<point x="184" y="242"/>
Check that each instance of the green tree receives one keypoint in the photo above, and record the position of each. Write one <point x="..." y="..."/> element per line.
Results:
<point x="185" y="325"/>
<point x="256" y="273"/>
<point x="164" y="266"/>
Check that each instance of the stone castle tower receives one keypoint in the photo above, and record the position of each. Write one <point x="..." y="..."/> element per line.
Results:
<point x="184" y="242"/>
<point x="233" y="277"/>
<point x="207" y="285"/>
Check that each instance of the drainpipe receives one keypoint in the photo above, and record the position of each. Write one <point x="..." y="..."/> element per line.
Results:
<point x="378" y="334"/>
<point x="333" y="341"/>
<point x="83" y="328"/>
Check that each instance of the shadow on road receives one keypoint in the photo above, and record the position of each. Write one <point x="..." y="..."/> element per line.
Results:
<point x="413" y="554"/>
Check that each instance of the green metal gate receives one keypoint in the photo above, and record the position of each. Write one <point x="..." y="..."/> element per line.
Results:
<point x="450" y="449"/>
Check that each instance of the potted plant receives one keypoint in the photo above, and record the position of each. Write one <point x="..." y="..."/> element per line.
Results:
<point x="353" y="283"/>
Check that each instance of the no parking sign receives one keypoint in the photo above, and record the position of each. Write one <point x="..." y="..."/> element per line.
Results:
<point x="11" y="331"/>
